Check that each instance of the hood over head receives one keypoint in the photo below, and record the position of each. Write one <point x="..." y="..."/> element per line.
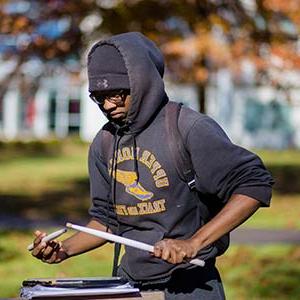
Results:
<point x="145" y="67"/>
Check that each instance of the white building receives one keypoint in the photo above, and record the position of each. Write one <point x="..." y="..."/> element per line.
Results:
<point x="60" y="106"/>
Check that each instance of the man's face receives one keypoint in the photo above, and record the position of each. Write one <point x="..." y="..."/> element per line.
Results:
<point x="115" y="104"/>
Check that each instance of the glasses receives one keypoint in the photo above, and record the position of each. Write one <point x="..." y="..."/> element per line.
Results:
<point x="115" y="97"/>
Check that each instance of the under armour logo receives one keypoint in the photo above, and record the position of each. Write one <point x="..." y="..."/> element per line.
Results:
<point x="102" y="83"/>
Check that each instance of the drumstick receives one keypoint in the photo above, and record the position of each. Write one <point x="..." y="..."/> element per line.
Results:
<point x="128" y="242"/>
<point x="49" y="237"/>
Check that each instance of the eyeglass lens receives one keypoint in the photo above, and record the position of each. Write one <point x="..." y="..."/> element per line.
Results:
<point x="116" y="97"/>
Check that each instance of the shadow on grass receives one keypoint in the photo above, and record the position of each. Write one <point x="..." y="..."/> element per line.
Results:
<point x="72" y="202"/>
<point x="287" y="179"/>
<point x="35" y="148"/>
<point x="47" y="208"/>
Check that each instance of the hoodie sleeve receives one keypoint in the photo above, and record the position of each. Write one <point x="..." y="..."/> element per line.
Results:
<point x="223" y="168"/>
<point x="101" y="209"/>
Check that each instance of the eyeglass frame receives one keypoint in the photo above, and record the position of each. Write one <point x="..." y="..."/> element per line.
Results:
<point x="116" y="97"/>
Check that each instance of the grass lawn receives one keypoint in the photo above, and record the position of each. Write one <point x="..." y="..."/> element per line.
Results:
<point x="284" y="213"/>
<point x="31" y="175"/>
<point x="284" y="157"/>
<point x="17" y="264"/>
<point x="261" y="272"/>
<point x="41" y="187"/>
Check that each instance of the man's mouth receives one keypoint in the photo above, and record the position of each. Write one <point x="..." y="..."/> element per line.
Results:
<point x="116" y="115"/>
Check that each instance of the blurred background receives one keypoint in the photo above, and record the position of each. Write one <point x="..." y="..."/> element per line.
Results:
<point x="237" y="61"/>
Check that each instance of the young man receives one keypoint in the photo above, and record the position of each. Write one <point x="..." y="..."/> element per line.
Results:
<point x="135" y="189"/>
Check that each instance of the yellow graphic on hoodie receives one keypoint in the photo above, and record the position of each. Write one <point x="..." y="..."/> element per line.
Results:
<point x="132" y="187"/>
<point x="135" y="188"/>
<point x="146" y="158"/>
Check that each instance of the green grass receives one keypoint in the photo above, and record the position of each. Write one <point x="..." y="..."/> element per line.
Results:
<point x="42" y="187"/>
<point x="277" y="158"/>
<point x="49" y="184"/>
<point x="31" y="175"/>
<point x="17" y="264"/>
<point x="284" y="213"/>
<point x="263" y="272"/>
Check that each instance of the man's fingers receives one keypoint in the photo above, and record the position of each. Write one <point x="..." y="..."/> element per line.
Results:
<point x="159" y="248"/>
<point x="48" y="252"/>
<point x="38" y="249"/>
<point x="39" y="236"/>
<point x="42" y="249"/>
<point x="52" y="258"/>
<point x="38" y="246"/>
<point x="180" y="255"/>
<point x="173" y="251"/>
<point x="177" y="256"/>
<point x="173" y="256"/>
<point x="166" y="254"/>
<point x="157" y="252"/>
<point x="52" y="246"/>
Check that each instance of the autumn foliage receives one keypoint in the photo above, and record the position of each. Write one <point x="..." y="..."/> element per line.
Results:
<point x="196" y="36"/>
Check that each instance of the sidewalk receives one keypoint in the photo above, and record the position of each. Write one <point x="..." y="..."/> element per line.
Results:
<point x="265" y="236"/>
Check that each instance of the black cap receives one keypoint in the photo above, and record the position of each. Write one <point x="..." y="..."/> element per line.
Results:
<point x="106" y="69"/>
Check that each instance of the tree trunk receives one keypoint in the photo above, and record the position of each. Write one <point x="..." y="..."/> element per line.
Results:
<point x="201" y="89"/>
<point x="4" y="84"/>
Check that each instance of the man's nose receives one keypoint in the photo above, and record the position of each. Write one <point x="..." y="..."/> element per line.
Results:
<point x="108" y="105"/>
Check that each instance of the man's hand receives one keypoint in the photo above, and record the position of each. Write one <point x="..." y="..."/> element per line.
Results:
<point x="80" y="242"/>
<point x="238" y="209"/>
<point x="175" y="251"/>
<point x="50" y="252"/>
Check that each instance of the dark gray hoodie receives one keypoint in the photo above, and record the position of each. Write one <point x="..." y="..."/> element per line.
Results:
<point x="145" y="199"/>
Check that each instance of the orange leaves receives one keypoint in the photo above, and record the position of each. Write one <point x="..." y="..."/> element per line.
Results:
<point x="201" y="45"/>
<point x="285" y="6"/>
<point x="14" y="24"/>
<point x="201" y="74"/>
<point x="289" y="56"/>
<point x="291" y="8"/>
<point x="21" y="23"/>
<point x="181" y="47"/>
<point x="63" y="45"/>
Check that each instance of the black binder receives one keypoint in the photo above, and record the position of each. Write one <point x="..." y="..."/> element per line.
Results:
<point x="78" y="288"/>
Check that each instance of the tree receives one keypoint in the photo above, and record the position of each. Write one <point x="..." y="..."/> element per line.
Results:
<point x="199" y="36"/>
<point x="46" y="31"/>
<point x="196" y="36"/>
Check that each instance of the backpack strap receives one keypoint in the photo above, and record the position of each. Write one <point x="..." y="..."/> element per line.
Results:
<point x="179" y="153"/>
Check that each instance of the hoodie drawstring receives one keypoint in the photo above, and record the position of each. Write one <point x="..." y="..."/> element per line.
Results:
<point x="113" y="184"/>
<point x="113" y="181"/>
<point x="112" y="177"/>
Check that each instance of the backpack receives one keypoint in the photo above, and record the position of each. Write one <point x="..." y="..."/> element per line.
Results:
<point x="184" y="168"/>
